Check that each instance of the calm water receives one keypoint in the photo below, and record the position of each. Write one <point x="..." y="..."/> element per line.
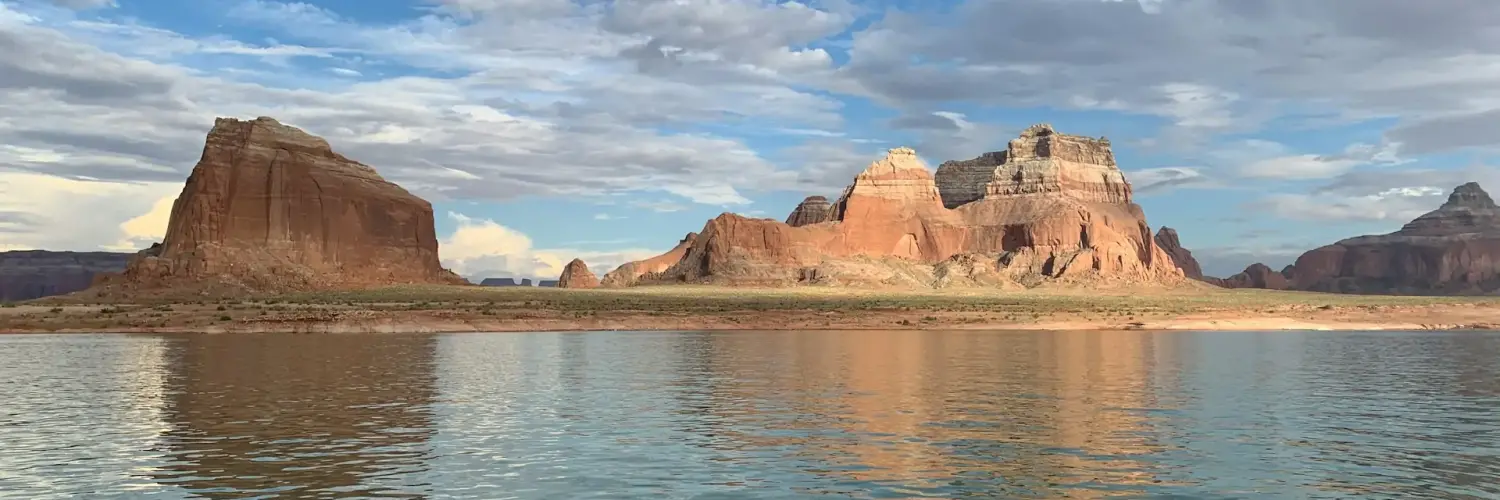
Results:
<point x="752" y="415"/>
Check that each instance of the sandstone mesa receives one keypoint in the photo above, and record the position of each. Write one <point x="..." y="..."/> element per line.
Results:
<point x="1050" y="208"/>
<point x="269" y="207"/>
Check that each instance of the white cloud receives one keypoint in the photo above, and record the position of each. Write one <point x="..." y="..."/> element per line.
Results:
<point x="543" y="107"/>
<point x="482" y="248"/>
<point x="1395" y="205"/>
<point x="65" y="214"/>
<point x="145" y="229"/>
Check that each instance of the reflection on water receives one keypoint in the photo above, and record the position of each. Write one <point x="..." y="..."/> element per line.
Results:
<point x="752" y="415"/>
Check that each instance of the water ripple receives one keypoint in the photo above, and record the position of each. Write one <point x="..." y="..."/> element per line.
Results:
<point x="752" y="415"/>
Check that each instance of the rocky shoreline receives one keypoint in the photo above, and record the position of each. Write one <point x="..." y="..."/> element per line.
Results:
<point x="689" y="308"/>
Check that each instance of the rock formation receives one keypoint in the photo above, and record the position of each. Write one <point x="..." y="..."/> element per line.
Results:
<point x="271" y="208"/>
<point x="499" y="282"/>
<point x="1166" y="238"/>
<point x="1256" y="275"/>
<point x="1452" y="250"/>
<point x="577" y="275"/>
<point x="30" y="274"/>
<point x="1050" y="207"/>
<point x="812" y="210"/>
<point x="631" y="272"/>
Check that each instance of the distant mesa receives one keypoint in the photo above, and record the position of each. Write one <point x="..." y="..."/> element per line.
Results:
<point x="546" y="283"/>
<point x="1050" y="208"/>
<point x="270" y="208"/>
<point x="577" y="275"/>
<point x="32" y="274"/>
<point x="812" y="210"/>
<point x="1454" y="250"/>
<point x="505" y="282"/>
<point x="1257" y="275"/>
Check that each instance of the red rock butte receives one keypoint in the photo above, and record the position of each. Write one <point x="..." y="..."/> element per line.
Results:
<point x="1051" y="207"/>
<point x="269" y="207"/>
<point x="577" y="275"/>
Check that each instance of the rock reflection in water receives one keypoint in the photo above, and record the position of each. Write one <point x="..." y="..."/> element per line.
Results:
<point x="298" y="414"/>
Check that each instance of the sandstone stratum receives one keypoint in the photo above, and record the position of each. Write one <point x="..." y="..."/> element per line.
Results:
<point x="1051" y="208"/>
<point x="269" y="208"/>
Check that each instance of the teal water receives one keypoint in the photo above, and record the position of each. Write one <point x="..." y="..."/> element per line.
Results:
<point x="752" y="415"/>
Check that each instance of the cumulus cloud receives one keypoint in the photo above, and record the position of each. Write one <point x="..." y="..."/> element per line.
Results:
<point x="1388" y="196"/>
<point x="1216" y="64"/>
<point x="533" y="106"/>
<point x="45" y="211"/>
<point x="1395" y="205"/>
<point x="482" y="248"/>
<point x="483" y="100"/>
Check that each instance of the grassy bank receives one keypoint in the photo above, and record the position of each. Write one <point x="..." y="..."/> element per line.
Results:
<point x="472" y="308"/>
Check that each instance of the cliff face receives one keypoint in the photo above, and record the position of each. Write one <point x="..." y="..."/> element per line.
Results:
<point x="1052" y="206"/>
<point x="1452" y="250"/>
<point x="270" y="207"/>
<point x="30" y="274"/>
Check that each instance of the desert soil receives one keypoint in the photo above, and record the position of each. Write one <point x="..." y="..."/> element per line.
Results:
<point x="484" y="309"/>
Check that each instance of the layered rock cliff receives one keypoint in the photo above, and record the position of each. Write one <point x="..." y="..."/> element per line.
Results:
<point x="30" y="274"/>
<point x="269" y="207"/>
<point x="577" y="275"/>
<point x="1452" y="250"/>
<point x="1051" y="207"/>
<point x="812" y="210"/>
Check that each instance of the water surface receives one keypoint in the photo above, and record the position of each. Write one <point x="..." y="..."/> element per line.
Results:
<point x="752" y="415"/>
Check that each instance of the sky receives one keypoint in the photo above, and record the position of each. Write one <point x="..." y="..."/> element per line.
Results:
<point x="543" y="130"/>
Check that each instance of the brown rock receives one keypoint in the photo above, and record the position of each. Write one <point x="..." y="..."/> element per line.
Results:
<point x="631" y="272"/>
<point x="271" y="208"/>
<point x="577" y="275"/>
<point x="1256" y="275"/>
<point x="30" y="274"/>
<point x="1166" y="238"/>
<point x="812" y="210"/>
<point x="1452" y="250"/>
<point x="1043" y="214"/>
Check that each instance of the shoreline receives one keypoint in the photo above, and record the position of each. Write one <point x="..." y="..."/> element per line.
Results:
<point x="413" y="327"/>
<point x="459" y="309"/>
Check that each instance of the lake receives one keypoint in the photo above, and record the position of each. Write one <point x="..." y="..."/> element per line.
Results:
<point x="752" y="415"/>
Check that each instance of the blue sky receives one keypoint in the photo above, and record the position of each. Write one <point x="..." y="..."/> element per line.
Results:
<point x="547" y="129"/>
